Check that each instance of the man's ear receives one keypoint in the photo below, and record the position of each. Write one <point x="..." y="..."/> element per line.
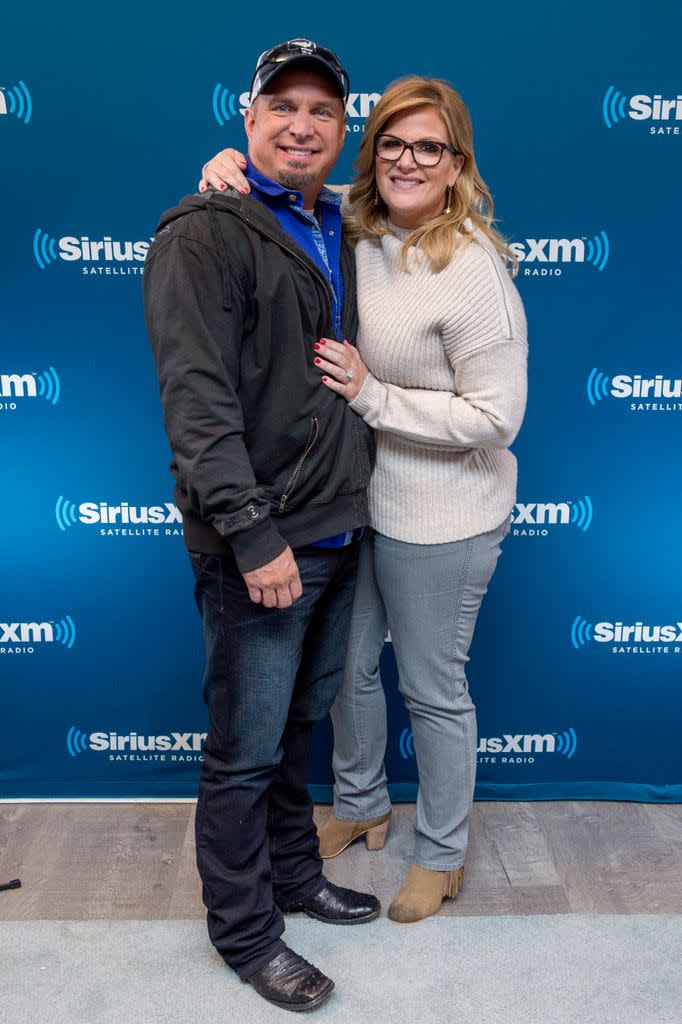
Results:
<point x="249" y="118"/>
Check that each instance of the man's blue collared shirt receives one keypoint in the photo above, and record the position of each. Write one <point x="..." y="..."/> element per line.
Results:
<point x="321" y="241"/>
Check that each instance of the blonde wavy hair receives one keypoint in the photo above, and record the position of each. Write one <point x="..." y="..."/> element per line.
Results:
<point x="439" y="237"/>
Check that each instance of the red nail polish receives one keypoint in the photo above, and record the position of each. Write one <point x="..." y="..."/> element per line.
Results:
<point x="316" y="347"/>
<point x="324" y="378"/>
<point x="318" y="361"/>
<point x="323" y="341"/>
<point x="223" y="186"/>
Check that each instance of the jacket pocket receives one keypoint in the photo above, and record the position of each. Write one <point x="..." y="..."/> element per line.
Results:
<point x="290" y="485"/>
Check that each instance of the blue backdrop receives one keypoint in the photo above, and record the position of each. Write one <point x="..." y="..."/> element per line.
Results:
<point x="105" y="120"/>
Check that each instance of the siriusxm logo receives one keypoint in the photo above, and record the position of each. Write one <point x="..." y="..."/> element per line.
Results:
<point x="534" y="517"/>
<point x="77" y="742"/>
<point x="227" y="105"/>
<point x="616" y="107"/>
<point x="85" y="250"/>
<point x="112" y="517"/>
<point x="29" y="385"/>
<point x="624" y="385"/>
<point x="15" y="101"/>
<point x="23" y="636"/>
<point x="552" y="251"/>
<point x="624" y="635"/>
<point x="564" y="743"/>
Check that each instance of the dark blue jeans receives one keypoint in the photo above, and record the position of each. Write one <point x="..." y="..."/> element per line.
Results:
<point x="270" y="674"/>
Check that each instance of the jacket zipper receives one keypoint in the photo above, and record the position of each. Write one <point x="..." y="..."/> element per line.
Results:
<point x="291" y="483"/>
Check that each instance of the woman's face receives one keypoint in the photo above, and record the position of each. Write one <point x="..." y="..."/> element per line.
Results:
<point x="412" y="193"/>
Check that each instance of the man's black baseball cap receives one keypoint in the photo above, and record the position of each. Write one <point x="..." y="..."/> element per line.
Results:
<point x="284" y="55"/>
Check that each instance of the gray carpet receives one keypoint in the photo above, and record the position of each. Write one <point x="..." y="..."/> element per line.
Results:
<point x="470" y="970"/>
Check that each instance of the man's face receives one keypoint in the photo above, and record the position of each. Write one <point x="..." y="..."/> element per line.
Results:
<point x="296" y="130"/>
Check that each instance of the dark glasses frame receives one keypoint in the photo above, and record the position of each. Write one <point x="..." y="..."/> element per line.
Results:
<point x="443" y="146"/>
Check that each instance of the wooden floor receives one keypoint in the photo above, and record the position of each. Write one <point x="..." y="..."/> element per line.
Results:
<point x="136" y="861"/>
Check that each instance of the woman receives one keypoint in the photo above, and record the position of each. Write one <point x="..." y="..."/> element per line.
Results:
<point x="440" y="373"/>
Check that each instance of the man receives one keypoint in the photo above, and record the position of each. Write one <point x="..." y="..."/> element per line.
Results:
<point x="271" y="470"/>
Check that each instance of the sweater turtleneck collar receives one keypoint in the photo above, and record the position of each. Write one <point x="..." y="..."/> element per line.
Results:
<point x="400" y="233"/>
<point x="403" y="233"/>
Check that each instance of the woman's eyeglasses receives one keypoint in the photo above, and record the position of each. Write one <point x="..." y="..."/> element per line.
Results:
<point x="426" y="153"/>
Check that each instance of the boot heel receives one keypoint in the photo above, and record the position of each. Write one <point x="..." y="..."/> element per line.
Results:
<point x="453" y="883"/>
<point x="376" y="837"/>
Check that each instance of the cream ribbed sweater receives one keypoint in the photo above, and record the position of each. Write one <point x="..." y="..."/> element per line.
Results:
<point x="447" y="388"/>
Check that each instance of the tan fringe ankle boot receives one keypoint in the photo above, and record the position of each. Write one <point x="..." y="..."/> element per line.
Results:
<point x="335" y="835"/>
<point x="422" y="893"/>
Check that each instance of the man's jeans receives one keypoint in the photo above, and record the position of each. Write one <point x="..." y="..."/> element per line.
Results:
<point x="270" y="674"/>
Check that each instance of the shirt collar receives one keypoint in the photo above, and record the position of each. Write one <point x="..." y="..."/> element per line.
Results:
<point x="273" y="188"/>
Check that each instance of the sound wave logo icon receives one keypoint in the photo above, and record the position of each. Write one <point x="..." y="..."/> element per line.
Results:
<point x="597" y="386"/>
<point x="65" y="513"/>
<point x="224" y="104"/>
<point x="598" y="250"/>
<point x="566" y="743"/>
<point x="65" y="632"/>
<point x="16" y="101"/>
<point x="406" y="743"/>
<point x="43" y="248"/>
<point x="50" y="388"/>
<point x="582" y="513"/>
<point x="613" y="107"/>
<point x="581" y="632"/>
<point x="76" y="741"/>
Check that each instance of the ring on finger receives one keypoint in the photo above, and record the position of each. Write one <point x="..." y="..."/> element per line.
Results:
<point x="349" y="376"/>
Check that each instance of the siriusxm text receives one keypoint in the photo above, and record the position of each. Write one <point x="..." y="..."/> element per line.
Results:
<point x="18" y="385"/>
<point x="518" y="744"/>
<point x="97" y="512"/>
<point x="105" y="249"/>
<point x="656" y="108"/>
<point x="549" y="250"/>
<point x="638" y="632"/>
<point x="132" y="741"/>
<point x="26" y="632"/>
<point x="536" y="513"/>
<point x="626" y="386"/>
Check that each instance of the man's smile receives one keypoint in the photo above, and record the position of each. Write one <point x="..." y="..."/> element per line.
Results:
<point x="299" y="151"/>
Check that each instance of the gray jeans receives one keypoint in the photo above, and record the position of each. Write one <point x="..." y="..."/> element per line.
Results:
<point x="428" y="595"/>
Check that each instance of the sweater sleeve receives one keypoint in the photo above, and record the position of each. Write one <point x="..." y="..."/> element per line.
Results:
<point x="485" y="341"/>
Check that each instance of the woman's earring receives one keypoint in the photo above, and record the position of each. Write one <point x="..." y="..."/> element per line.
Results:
<point x="376" y="196"/>
<point x="447" y="202"/>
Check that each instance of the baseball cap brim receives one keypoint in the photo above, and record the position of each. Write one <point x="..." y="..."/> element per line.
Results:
<point x="269" y="71"/>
